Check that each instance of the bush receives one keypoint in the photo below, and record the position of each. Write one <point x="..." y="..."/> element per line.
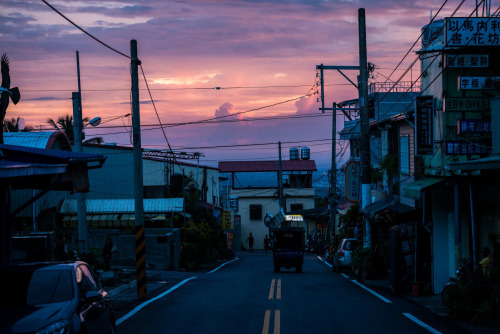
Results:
<point x="368" y="262"/>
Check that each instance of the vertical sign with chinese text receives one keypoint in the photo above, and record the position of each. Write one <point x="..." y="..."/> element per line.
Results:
<point x="352" y="182"/>
<point x="424" y="109"/>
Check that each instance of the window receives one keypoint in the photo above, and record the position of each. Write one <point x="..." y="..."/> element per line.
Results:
<point x="255" y="211"/>
<point x="296" y="207"/>
<point x="404" y="154"/>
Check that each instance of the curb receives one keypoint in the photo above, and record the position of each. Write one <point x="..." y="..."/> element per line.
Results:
<point x="116" y="291"/>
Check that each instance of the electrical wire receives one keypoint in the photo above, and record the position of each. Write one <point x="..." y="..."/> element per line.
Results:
<point x="85" y="32"/>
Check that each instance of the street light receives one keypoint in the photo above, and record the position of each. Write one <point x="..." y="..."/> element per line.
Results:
<point x="94" y="122"/>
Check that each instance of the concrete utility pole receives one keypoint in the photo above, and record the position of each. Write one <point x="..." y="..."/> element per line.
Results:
<point x="81" y="205"/>
<point x="280" y="182"/>
<point x="364" y="119"/>
<point x="140" y="246"/>
<point x="333" y="169"/>
<point x="333" y="174"/>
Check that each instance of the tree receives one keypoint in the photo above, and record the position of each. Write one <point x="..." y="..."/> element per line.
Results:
<point x="6" y="93"/>
<point x="65" y="124"/>
<point x="12" y="125"/>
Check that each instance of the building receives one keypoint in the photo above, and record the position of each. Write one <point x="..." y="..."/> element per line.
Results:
<point x="254" y="186"/>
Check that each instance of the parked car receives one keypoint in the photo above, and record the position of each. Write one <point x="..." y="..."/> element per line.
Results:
<point x="343" y="256"/>
<point x="53" y="298"/>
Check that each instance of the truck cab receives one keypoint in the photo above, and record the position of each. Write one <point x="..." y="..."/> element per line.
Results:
<point x="288" y="248"/>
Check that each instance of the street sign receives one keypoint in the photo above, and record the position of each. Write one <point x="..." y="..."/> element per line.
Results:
<point x="352" y="182"/>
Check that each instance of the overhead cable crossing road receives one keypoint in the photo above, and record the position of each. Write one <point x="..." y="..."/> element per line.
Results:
<point x="173" y="155"/>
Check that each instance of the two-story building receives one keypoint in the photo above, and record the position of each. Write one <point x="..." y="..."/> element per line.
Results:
<point x="254" y="186"/>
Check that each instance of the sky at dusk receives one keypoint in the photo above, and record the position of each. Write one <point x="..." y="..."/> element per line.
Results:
<point x="233" y="62"/>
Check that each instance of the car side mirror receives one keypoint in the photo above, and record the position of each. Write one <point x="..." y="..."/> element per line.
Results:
<point x="93" y="296"/>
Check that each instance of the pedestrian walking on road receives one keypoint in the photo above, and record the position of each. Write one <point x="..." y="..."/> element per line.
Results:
<point x="266" y="243"/>
<point x="107" y="251"/>
<point x="250" y="241"/>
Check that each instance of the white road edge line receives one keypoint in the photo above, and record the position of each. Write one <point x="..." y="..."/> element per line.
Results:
<point x="324" y="261"/>
<point x="222" y="265"/>
<point x="141" y="306"/>
<point x="344" y="275"/>
<point x="371" y="291"/>
<point x="421" y="323"/>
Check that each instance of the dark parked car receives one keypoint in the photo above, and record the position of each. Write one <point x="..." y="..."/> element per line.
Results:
<point x="53" y="298"/>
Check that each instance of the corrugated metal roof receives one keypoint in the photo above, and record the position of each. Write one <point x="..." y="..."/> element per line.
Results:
<point x="151" y="205"/>
<point x="267" y="166"/>
<point x="37" y="139"/>
<point x="32" y="155"/>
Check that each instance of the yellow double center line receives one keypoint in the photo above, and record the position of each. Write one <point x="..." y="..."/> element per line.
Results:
<point x="275" y="285"/>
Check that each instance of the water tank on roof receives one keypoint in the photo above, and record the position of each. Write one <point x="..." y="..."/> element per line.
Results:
<point x="294" y="153"/>
<point x="431" y="32"/>
<point x="305" y="153"/>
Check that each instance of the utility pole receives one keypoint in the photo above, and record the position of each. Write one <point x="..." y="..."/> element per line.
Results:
<point x="333" y="174"/>
<point x="140" y="245"/>
<point x="81" y="205"/>
<point x="280" y="182"/>
<point x="364" y="126"/>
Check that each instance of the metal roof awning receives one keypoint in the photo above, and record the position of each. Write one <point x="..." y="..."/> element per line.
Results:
<point x="491" y="162"/>
<point x="386" y="210"/>
<point x="414" y="190"/>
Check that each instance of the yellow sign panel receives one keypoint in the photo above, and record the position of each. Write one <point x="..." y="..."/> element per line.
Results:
<point x="227" y="220"/>
<point x="295" y="218"/>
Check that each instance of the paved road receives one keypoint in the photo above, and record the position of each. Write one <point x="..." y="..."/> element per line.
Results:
<point x="246" y="296"/>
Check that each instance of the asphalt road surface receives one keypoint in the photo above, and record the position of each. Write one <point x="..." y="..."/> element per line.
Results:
<point x="246" y="296"/>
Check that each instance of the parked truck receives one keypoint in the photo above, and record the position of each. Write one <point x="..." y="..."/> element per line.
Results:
<point x="288" y="248"/>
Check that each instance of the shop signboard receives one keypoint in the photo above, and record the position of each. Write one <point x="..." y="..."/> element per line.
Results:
<point x="474" y="104"/>
<point x="472" y="31"/>
<point x="424" y="110"/>
<point x="352" y="181"/>
<point x="477" y="83"/>
<point x="473" y="126"/>
<point x="227" y="220"/>
<point x="466" y="61"/>
<point x="465" y="148"/>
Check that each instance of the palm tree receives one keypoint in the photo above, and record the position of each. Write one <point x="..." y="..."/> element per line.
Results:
<point x="65" y="124"/>
<point x="12" y="125"/>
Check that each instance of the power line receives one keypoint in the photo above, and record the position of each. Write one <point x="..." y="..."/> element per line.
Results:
<point x="85" y="32"/>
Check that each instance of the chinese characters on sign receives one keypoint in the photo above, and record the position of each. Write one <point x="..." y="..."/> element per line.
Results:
<point x="477" y="83"/>
<point x="352" y="181"/>
<point x="424" y="108"/>
<point x="476" y="126"/>
<point x="464" y="148"/>
<point x="473" y="31"/>
<point x="466" y="60"/>
<point x="227" y="220"/>
<point x="465" y="104"/>
<point x="407" y="238"/>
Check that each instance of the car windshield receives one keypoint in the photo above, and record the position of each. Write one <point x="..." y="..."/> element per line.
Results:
<point x="35" y="287"/>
